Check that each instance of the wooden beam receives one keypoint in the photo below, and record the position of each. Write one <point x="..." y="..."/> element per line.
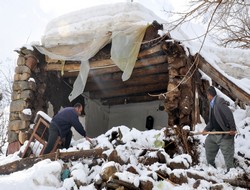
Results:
<point x="147" y="52"/>
<point x="128" y="99"/>
<point x="70" y="74"/>
<point x="72" y="66"/>
<point x="104" y="66"/>
<point x="149" y="70"/>
<point x="227" y="84"/>
<point x="65" y="156"/>
<point x="150" y="51"/>
<point x="132" y="90"/>
<point x="139" y="64"/>
<point x="100" y="84"/>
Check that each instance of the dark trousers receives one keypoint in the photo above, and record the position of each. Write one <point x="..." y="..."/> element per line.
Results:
<point x="53" y="135"/>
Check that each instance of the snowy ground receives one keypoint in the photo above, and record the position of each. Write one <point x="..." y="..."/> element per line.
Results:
<point x="46" y="174"/>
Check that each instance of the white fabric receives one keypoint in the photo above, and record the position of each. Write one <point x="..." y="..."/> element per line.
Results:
<point x="81" y="34"/>
<point x="125" y="48"/>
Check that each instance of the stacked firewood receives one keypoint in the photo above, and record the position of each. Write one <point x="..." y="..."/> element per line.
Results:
<point x="179" y="99"/>
<point x="22" y="96"/>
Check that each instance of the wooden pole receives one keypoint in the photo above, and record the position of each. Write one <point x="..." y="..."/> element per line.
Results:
<point x="210" y="133"/>
<point x="65" y="156"/>
<point x="229" y="85"/>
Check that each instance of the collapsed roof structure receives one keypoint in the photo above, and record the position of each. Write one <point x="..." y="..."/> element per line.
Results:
<point x="115" y="55"/>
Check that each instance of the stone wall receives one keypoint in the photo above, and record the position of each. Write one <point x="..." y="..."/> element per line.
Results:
<point x="22" y="96"/>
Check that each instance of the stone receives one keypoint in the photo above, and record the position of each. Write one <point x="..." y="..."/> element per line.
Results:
<point x="177" y="165"/>
<point x="196" y="184"/>
<point x="107" y="172"/>
<point x="17" y="125"/>
<point x="173" y="72"/>
<point x="18" y="105"/>
<point x="180" y="179"/>
<point x="14" y="116"/>
<point x="22" y="137"/>
<point x="20" y="60"/>
<point x="146" y="185"/>
<point x="131" y="169"/>
<point x="12" y="136"/>
<point x="199" y="175"/>
<point x="149" y="161"/>
<point x="22" y="77"/>
<point x="115" y="157"/>
<point x="24" y="117"/>
<point x="24" y="85"/>
<point x="161" y="157"/>
<point x="31" y="61"/>
<point x="178" y="63"/>
<point x="24" y="95"/>
<point x="27" y="95"/>
<point x="22" y="69"/>
<point x="15" y="95"/>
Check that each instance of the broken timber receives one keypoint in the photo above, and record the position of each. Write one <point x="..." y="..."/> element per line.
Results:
<point x="232" y="88"/>
<point x="26" y="163"/>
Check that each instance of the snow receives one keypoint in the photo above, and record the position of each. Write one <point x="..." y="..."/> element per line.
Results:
<point x="27" y="111"/>
<point x="46" y="174"/>
<point x="43" y="115"/>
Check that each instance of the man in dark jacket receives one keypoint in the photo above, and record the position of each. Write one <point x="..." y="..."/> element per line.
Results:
<point x="220" y="119"/>
<point x="61" y="125"/>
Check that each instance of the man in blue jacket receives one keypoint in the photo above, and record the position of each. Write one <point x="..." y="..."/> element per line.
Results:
<point x="220" y="119"/>
<point x="61" y="126"/>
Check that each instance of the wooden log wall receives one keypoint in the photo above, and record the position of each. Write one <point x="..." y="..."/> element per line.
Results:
<point x="22" y="97"/>
<point x="180" y="93"/>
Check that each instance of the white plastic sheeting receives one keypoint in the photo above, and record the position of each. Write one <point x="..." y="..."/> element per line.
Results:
<point x="81" y="34"/>
<point x="125" y="48"/>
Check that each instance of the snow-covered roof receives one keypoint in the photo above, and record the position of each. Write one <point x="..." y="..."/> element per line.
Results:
<point x="81" y="34"/>
<point x="95" y="23"/>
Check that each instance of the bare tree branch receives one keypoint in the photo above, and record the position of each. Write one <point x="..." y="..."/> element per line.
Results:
<point x="230" y="23"/>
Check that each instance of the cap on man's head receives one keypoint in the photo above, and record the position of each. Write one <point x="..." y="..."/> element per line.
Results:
<point x="211" y="91"/>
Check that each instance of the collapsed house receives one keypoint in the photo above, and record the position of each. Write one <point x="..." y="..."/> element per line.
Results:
<point x="121" y="69"/>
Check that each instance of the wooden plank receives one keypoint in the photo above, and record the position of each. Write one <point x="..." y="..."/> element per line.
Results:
<point x="149" y="70"/>
<point x="75" y="66"/>
<point x="150" y="51"/>
<point x="139" y="64"/>
<point x="128" y="99"/>
<point x="232" y="88"/>
<point x="128" y="91"/>
<point x="72" y="74"/>
<point x="141" y="54"/>
<point x="65" y="156"/>
<point x="100" y="84"/>
<point x="104" y="66"/>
